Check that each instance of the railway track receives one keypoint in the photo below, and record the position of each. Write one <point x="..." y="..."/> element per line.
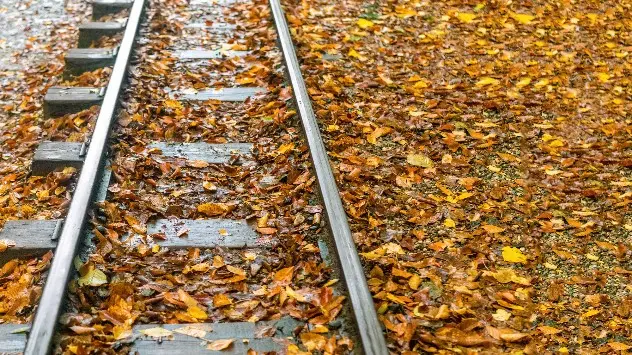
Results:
<point x="205" y="216"/>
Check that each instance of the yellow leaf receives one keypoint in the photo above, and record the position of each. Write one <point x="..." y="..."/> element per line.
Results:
<point x="541" y="83"/>
<point x="524" y="19"/>
<point x="523" y="82"/>
<point x="245" y="80"/>
<point x="374" y="254"/>
<point x="464" y="195"/>
<point x="313" y="341"/>
<point x="592" y="312"/>
<point x="465" y="17"/>
<point x="421" y="84"/>
<point x="173" y="103"/>
<point x="506" y="276"/>
<point x="405" y="12"/>
<point x="501" y="315"/>
<point x="235" y="270"/>
<point x="593" y="18"/>
<point x="449" y="222"/>
<point x="197" y="313"/>
<point x="419" y="160"/>
<point x="213" y="209"/>
<point x="354" y="54"/>
<point x="364" y="24"/>
<point x="284" y="148"/>
<point x="295" y="295"/>
<point x="414" y="282"/>
<point x="603" y="77"/>
<point x="392" y="248"/>
<point x="513" y="255"/>
<point x="220" y="300"/>
<point x="186" y="298"/>
<point x="201" y="267"/>
<point x="94" y="277"/>
<point x="592" y="257"/>
<point x="487" y="81"/>
<point x="239" y="47"/>
<point x="556" y="143"/>
<point x="546" y="330"/>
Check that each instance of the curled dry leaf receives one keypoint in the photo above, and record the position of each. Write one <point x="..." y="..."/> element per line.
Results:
<point x="157" y="332"/>
<point x="6" y="244"/>
<point x="220" y="344"/>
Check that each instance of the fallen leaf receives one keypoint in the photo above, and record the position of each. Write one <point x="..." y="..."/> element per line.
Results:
<point x="487" y="81"/>
<point x="465" y="17"/>
<point x="524" y="19"/>
<point x="192" y="331"/>
<point x="364" y="24"/>
<point x="492" y="229"/>
<point x="313" y="341"/>
<point x="546" y="330"/>
<point x="157" y="332"/>
<point x="501" y="315"/>
<point x="197" y="313"/>
<point x="6" y="244"/>
<point x="513" y="255"/>
<point x="419" y="160"/>
<point x="198" y="164"/>
<point x="591" y="313"/>
<point x="506" y="276"/>
<point x="213" y="209"/>
<point x="94" y="277"/>
<point x="220" y="344"/>
<point x="220" y="300"/>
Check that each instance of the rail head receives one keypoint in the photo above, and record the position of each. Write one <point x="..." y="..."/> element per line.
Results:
<point x="368" y="325"/>
<point x="50" y="305"/>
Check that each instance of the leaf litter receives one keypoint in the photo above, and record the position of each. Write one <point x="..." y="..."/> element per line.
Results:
<point x="521" y="109"/>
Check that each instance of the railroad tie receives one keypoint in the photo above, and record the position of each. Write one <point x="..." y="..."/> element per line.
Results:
<point x="80" y="60"/>
<point x="217" y="27"/>
<point x="206" y="234"/>
<point x="244" y="335"/>
<point x="225" y="94"/>
<point x="13" y="338"/>
<point x="92" y="31"/>
<point x="105" y="7"/>
<point x="61" y="100"/>
<point x="51" y="156"/>
<point x="205" y="54"/>
<point x="32" y="238"/>
<point x="209" y="3"/>
<point x="208" y="152"/>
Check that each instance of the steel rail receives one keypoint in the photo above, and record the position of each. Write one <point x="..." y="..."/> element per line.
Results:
<point x="368" y="325"/>
<point x="40" y="337"/>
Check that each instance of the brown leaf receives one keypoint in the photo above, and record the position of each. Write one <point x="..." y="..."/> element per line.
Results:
<point x="220" y="344"/>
